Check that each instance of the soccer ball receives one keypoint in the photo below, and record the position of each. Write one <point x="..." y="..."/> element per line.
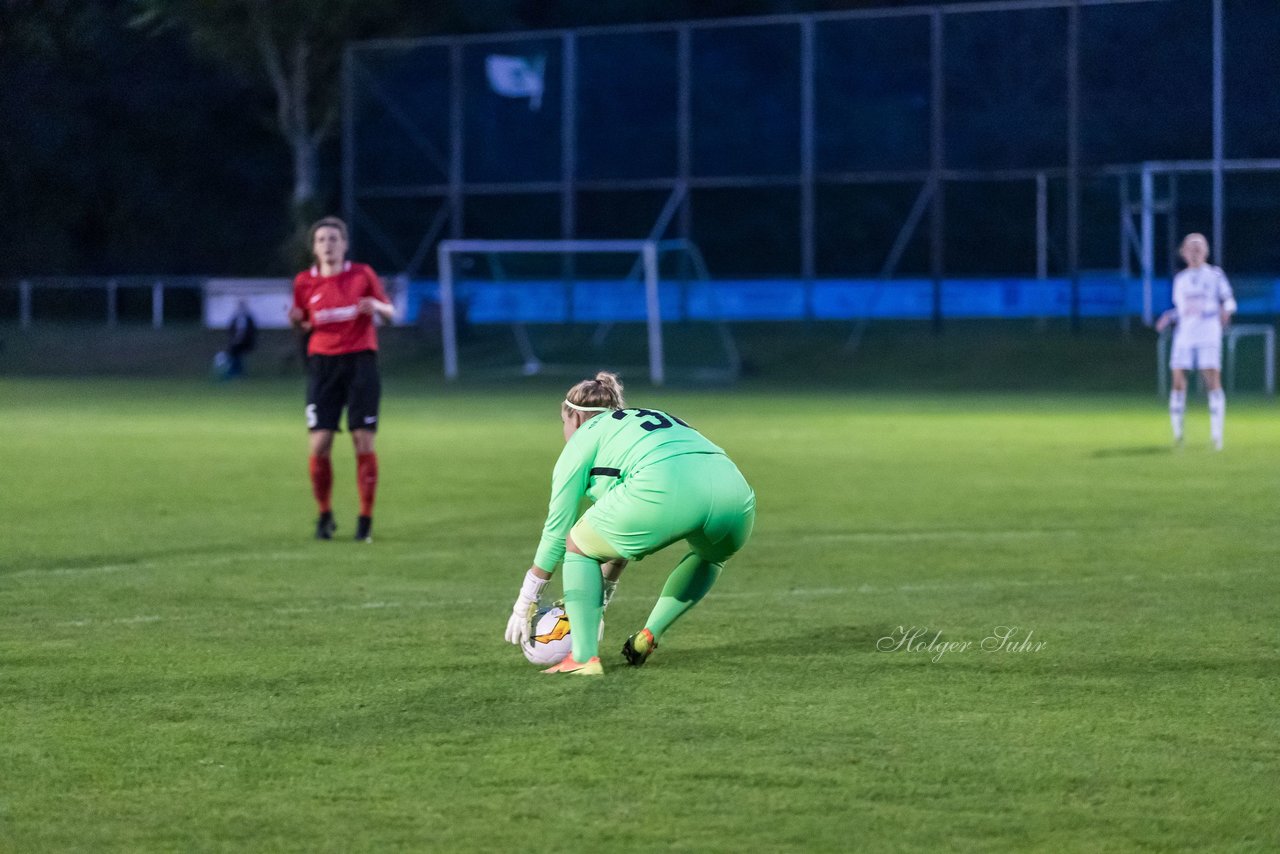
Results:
<point x="550" y="643"/>
<point x="221" y="367"/>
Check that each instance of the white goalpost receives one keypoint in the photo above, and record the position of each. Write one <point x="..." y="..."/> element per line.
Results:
<point x="645" y="260"/>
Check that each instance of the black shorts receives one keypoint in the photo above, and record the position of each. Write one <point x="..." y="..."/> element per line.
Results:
<point x="350" y="380"/>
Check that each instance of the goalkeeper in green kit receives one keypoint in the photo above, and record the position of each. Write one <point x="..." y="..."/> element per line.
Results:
<point x="654" y="480"/>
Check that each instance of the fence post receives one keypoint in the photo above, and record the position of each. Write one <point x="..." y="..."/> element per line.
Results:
<point x="1231" y="363"/>
<point x="1269" y="358"/>
<point x="1162" y="364"/>
<point x="24" y="304"/>
<point x="1073" y="160"/>
<point x="157" y="305"/>
<point x="937" y="152"/>
<point x="1042" y="226"/>
<point x="808" y="244"/>
<point x="1148" y="242"/>
<point x="448" y="325"/>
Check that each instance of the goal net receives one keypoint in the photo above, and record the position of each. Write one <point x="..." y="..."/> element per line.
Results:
<point x="569" y="306"/>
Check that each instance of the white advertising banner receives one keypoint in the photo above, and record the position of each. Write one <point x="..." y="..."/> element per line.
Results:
<point x="268" y="301"/>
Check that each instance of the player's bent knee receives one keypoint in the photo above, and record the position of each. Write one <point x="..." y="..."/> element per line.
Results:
<point x="726" y="546"/>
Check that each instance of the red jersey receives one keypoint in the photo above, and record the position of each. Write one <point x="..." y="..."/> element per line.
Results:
<point x="330" y="304"/>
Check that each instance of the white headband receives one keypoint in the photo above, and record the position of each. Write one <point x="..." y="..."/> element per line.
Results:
<point x="586" y="408"/>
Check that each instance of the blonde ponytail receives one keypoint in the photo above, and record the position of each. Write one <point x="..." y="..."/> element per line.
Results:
<point x="604" y="391"/>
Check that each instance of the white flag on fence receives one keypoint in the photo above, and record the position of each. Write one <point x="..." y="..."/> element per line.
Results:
<point x="517" y="77"/>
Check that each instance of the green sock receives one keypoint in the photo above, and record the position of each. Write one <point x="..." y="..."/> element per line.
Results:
<point x="582" y="602"/>
<point x="687" y="584"/>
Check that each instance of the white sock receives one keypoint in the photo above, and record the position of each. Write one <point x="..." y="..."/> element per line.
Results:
<point x="1177" y="408"/>
<point x="607" y="589"/>
<point x="1217" y="415"/>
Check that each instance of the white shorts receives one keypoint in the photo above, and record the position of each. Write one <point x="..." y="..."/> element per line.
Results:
<point x="1196" y="357"/>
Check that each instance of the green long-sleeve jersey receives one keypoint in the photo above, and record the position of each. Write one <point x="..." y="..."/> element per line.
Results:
<point x="602" y="453"/>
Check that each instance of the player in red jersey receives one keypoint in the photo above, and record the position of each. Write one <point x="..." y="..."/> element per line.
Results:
<point x="336" y="302"/>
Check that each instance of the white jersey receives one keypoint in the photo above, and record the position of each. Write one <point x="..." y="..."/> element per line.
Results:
<point x="1200" y="294"/>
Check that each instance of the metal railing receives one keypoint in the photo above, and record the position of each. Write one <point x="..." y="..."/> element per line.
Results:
<point x="102" y="299"/>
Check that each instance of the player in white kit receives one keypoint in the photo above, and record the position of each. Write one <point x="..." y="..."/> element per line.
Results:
<point x="1202" y="308"/>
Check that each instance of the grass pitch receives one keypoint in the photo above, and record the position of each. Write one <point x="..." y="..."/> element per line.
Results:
<point x="182" y="668"/>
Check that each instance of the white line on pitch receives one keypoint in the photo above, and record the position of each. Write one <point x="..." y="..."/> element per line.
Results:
<point x="156" y="563"/>
<point x="799" y="592"/>
<point x="966" y="534"/>
<point x="284" y="611"/>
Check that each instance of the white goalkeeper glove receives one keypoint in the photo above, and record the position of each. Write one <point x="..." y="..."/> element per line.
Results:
<point x="520" y="624"/>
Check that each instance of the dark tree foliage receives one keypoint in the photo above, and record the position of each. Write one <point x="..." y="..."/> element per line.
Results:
<point x="120" y="153"/>
<point x="291" y="47"/>
<point x="144" y="136"/>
